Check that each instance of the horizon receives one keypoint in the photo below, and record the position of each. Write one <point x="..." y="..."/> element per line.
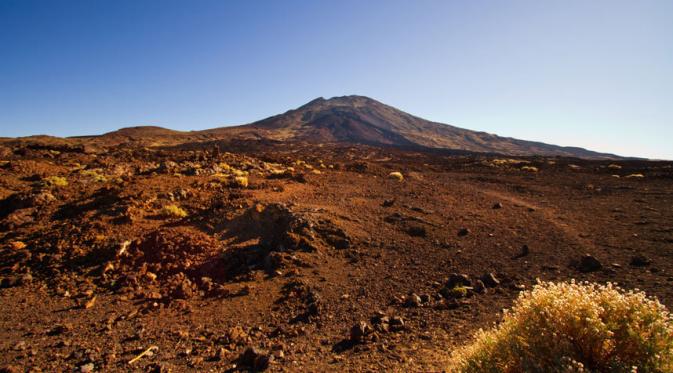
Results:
<point x="601" y="83"/>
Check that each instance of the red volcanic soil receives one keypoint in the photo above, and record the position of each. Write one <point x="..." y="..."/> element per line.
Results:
<point x="94" y="270"/>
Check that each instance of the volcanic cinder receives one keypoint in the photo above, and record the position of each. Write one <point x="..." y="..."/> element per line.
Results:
<point x="286" y="244"/>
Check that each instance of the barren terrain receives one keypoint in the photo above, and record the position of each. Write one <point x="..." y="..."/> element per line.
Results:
<point x="251" y="255"/>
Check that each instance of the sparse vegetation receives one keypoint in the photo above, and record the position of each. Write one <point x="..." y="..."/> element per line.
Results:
<point x="55" y="181"/>
<point x="396" y="175"/>
<point x="173" y="211"/>
<point x="95" y="175"/>
<point x="240" y="181"/>
<point x="529" y="169"/>
<point x="573" y="327"/>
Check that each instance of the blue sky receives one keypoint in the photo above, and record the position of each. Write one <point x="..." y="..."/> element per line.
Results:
<point x="596" y="74"/>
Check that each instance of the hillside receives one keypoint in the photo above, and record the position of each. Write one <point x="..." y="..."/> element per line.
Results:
<point x="362" y="120"/>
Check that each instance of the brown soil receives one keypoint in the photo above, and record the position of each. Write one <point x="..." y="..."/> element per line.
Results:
<point x="94" y="272"/>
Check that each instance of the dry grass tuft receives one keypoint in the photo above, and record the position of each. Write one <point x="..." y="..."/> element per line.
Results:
<point x="396" y="175"/>
<point x="529" y="169"/>
<point x="173" y="211"/>
<point x="94" y="175"/>
<point x="575" y="327"/>
<point x="55" y="181"/>
<point x="240" y="181"/>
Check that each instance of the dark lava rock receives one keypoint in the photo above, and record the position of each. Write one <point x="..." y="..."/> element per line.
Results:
<point x="413" y="300"/>
<point x="416" y="231"/>
<point x="490" y="280"/>
<point x="463" y="232"/>
<point x="589" y="264"/>
<point x="525" y="250"/>
<point x="388" y="202"/>
<point x="360" y="331"/>
<point x="640" y="261"/>
<point x="255" y="359"/>
<point x="458" y="279"/>
<point x="479" y="287"/>
<point x="397" y="323"/>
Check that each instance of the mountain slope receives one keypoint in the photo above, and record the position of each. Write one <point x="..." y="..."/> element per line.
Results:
<point x="347" y="119"/>
<point x="358" y="119"/>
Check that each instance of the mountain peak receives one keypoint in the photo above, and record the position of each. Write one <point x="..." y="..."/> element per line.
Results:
<point x="362" y="120"/>
<point x="349" y="100"/>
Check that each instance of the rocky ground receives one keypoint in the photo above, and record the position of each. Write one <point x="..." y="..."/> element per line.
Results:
<point x="296" y="257"/>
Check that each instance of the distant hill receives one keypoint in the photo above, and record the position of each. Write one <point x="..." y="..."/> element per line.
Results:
<point x="347" y="119"/>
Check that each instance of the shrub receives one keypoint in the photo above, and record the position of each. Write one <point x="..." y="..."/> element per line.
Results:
<point x="240" y="181"/>
<point x="55" y="181"/>
<point x="529" y="168"/>
<point x="575" y="327"/>
<point x="396" y="175"/>
<point x="173" y="211"/>
<point x="93" y="174"/>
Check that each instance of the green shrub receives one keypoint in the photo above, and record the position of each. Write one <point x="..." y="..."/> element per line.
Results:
<point x="570" y="327"/>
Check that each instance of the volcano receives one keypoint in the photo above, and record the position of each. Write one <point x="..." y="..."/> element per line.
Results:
<point x="362" y="120"/>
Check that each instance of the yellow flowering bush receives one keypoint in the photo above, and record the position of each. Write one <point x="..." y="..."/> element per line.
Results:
<point x="575" y="327"/>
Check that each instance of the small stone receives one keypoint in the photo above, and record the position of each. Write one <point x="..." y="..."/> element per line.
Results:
<point x="60" y="329"/>
<point x="458" y="279"/>
<point x="17" y="245"/>
<point x="425" y="298"/>
<point x="417" y="231"/>
<point x="158" y="368"/>
<point x="640" y="261"/>
<point x="490" y="280"/>
<point x="221" y="354"/>
<point x="26" y="279"/>
<point x="463" y="232"/>
<point x="86" y="368"/>
<point x="360" y="331"/>
<point x="108" y="267"/>
<point x="90" y="303"/>
<point x="255" y="359"/>
<point x="525" y="250"/>
<point x="589" y="264"/>
<point x="479" y="287"/>
<point x="497" y="206"/>
<point x="413" y="300"/>
<point x="397" y="323"/>
<point x="153" y="295"/>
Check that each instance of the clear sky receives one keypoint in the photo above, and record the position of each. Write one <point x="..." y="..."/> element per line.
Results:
<point x="596" y="74"/>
